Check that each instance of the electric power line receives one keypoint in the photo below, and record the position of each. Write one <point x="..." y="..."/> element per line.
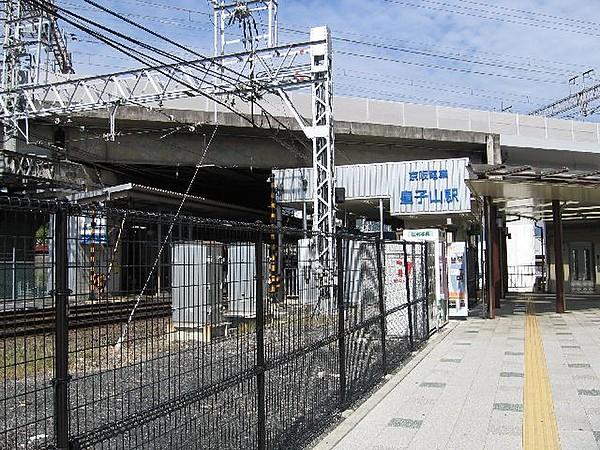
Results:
<point x="491" y="15"/>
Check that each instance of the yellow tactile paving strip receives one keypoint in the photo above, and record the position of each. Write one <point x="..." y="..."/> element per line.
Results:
<point x="539" y="423"/>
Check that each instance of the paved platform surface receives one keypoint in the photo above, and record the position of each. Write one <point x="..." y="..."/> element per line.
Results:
<point x="466" y="388"/>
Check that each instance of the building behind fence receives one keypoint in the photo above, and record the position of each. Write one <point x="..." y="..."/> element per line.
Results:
<point x="123" y="329"/>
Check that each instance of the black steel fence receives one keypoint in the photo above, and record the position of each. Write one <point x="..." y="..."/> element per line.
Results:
<point x="139" y="330"/>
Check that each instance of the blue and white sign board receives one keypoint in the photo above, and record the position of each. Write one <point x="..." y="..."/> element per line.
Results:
<point x="92" y="230"/>
<point x="435" y="186"/>
<point x="432" y="187"/>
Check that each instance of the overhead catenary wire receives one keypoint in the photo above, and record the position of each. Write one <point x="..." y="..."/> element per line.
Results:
<point x="491" y="15"/>
<point x="239" y="75"/>
<point x="455" y="58"/>
<point x="535" y="13"/>
<point x="125" y="329"/>
<point x="441" y="87"/>
<point x="236" y="75"/>
<point x="392" y="79"/>
<point x="141" y="59"/>
<point x="115" y="45"/>
<point x="452" y="69"/>
<point x="457" y="55"/>
<point x="270" y="117"/>
<point x="541" y="67"/>
<point x="531" y="61"/>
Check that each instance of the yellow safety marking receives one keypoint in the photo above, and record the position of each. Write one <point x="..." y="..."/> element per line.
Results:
<point x="539" y="422"/>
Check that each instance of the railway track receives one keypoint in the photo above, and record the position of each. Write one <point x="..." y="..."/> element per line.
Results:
<point x="39" y="321"/>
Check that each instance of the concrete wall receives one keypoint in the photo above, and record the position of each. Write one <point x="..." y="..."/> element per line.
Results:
<point x="573" y="232"/>
<point x="516" y="130"/>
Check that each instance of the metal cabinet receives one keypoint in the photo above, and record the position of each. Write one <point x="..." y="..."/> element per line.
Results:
<point x="196" y="283"/>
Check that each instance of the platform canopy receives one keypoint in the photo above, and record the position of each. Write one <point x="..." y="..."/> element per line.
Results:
<point x="146" y="197"/>
<point x="528" y="192"/>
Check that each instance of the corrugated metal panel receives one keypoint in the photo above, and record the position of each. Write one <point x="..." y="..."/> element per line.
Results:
<point x="413" y="187"/>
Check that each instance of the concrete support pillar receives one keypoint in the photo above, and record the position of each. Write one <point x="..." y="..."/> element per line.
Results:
<point x="490" y="224"/>
<point x="504" y="258"/>
<point x="493" y="150"/>
<point x="559" y="275"/>
<point x="489" y="149"/>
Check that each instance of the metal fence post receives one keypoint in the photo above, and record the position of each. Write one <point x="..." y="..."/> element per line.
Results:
<point x="379" y="253"/>
<point x="14" y="273"/>
<point x="408" y="297"/>
<point x="260" y="343"/>
<point x="61" y="336"/>
<point x="341" y="320"/>
<point x="426" y="281"/>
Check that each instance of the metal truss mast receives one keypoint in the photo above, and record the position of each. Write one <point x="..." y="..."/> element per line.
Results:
<point x="322" y="135"/>
<point x="248" y="75"/>
<point x="579" y="101"/>
<point x="33" y="45"/>
<point x="584" y="101"/>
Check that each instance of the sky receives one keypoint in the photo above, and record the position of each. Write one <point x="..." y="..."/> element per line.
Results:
<point x="491" y="55"/>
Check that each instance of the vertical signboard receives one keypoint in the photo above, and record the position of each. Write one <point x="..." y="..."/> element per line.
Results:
<point x="458" y="296"/>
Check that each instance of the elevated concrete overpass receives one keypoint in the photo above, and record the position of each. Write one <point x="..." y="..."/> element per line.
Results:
<point x="367" y="131"/>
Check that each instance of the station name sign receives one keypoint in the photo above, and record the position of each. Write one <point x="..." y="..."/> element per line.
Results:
<point x="432" y="187"/>
<point x="435" y="186"/>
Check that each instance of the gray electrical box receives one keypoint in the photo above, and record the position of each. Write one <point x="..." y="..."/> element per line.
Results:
<point x="197" y="284"/>
<point x="241" y="279"/>
<point x="308" y="263"/>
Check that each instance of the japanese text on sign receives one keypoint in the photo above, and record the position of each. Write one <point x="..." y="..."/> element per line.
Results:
<point x="428" y="175"/>
<point x="419" y="196"/>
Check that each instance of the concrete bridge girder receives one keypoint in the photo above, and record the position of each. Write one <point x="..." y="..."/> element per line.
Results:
<point x="238" y="144"/>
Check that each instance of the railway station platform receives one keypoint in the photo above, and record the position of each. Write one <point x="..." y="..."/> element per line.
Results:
<point x="529" y="379"/>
